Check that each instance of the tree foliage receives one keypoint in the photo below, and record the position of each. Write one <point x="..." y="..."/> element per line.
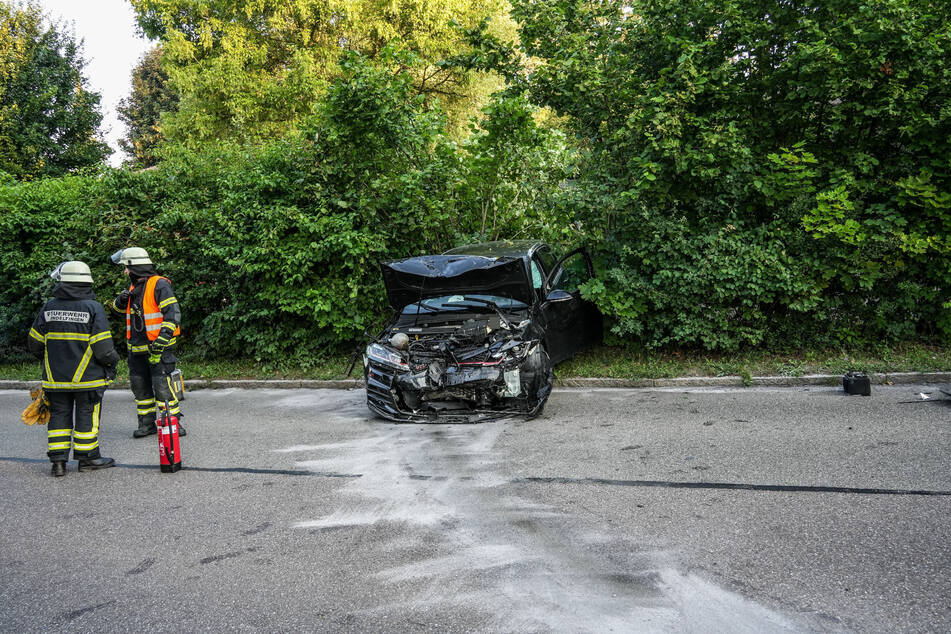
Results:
<point x="253" y="69"/>
<point x="513" y="169"/>
<point x="748" y="174"/>
<point x="48" y="118"/>
<point x="141" y="111"/>
<point x="273" y="250"/>
<point x="758" y="170"/>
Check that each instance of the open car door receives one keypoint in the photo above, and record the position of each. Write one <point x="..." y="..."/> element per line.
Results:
<point x="572" y="323"/>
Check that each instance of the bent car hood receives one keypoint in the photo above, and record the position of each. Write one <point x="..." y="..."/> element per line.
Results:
<point x="412" y="279"/>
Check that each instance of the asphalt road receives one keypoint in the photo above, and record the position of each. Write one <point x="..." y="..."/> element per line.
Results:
<point x="735" y="510"/>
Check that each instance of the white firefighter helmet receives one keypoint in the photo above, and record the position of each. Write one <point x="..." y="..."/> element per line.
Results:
<point x="72" y="271"/>
<point x="131" y="256"/>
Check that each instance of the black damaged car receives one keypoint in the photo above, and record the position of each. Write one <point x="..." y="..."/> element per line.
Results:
<point x="477" y="331"/>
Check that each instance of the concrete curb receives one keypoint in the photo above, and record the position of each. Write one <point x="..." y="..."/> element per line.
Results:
<point x="898" y="378"/>
<point x="895" y="378"/>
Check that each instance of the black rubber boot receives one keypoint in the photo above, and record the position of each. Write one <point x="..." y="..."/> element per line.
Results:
<point x="91" y="464"/>
<point x="145" y="429"/>
<point x="59" y="469"/>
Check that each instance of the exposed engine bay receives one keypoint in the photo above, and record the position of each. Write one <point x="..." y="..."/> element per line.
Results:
<point x="458" y="364"/>
<point x="476" y="330"/>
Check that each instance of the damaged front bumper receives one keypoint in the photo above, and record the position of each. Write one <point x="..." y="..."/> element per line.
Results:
<point x="435" y="386"/>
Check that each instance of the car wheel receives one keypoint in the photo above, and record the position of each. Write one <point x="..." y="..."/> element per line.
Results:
<point x="538" y="378"/>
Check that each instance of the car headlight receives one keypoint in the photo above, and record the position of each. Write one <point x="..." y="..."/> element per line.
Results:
<point x="378" y="353"/>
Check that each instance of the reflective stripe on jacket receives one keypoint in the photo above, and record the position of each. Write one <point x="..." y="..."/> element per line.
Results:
<point x="151" y="309"/>
<point x="72" y="338"/>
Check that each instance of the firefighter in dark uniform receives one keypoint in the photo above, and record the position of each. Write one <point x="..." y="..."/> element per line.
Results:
<point x="153" y="323"/>
<point x="71" y="335"/>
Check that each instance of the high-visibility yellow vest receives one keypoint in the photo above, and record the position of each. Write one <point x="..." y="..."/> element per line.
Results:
<point x="153" y="316"/>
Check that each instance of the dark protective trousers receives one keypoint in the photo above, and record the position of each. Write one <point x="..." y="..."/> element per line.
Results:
<point x="74" y="419"/>
<point x="152" y="388"/>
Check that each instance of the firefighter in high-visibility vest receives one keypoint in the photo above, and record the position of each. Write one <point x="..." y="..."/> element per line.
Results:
<point x="71" y="335"/>
<point x="152" y="325"/>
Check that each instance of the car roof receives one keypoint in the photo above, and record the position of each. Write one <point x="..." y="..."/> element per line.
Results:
<point x="499" y="248"/>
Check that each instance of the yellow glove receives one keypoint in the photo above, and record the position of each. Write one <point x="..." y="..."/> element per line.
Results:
<point x="38" y="411"/>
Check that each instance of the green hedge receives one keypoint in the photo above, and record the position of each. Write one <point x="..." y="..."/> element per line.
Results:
<point x="708" y="232"/>
<point x="759" y="173"/>
<point x="273" y="251"/>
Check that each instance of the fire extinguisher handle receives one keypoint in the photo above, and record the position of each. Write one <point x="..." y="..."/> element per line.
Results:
<point x="170" y="452"/>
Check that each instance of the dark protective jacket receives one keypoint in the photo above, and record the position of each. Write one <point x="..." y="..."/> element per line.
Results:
<point x="71" y="335"/>
<point x="139" y="342"/>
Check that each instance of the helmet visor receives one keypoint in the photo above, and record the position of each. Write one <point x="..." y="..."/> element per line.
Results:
<point x="57" y="273"/>
<point x="116" y="256"/>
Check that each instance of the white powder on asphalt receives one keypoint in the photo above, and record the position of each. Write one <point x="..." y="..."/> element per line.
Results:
<point x="520" y="560"/>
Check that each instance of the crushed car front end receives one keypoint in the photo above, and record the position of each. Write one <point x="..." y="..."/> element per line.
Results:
<point x="456" y="356"/>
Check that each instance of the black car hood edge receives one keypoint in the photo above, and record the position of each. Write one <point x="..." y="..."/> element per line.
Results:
<point x="409" y="280"/>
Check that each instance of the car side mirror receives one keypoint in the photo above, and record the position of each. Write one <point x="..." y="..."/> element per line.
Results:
<point x="558" y="295"/>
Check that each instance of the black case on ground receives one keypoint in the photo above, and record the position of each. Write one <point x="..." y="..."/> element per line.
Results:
<point x="857" y="383"/>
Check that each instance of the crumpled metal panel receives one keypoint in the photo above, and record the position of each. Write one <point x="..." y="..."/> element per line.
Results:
<point x="445" y="393"/>
<point x="412" y="279"/>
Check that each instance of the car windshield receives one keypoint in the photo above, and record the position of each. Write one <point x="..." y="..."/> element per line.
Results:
<point x="463" y="302"/>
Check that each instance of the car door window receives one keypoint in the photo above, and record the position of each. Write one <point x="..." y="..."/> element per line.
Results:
<point x="571" y="274"/>
<point x="538" y="278"/>
<point x="546" y="258"/>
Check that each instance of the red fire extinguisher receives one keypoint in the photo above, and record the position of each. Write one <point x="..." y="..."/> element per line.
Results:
<point x="170" y="453"/>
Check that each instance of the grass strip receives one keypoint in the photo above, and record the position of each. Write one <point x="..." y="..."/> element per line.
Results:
<point x="601" y="362"/>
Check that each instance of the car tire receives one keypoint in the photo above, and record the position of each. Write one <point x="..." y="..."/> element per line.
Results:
<point x="542" y="378"/>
